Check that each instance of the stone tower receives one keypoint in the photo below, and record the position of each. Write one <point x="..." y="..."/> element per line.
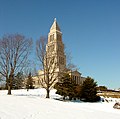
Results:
<point x="55" y="50"/>
<point x="55" y="46"/>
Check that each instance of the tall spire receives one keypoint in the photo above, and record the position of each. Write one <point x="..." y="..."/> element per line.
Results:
<point x="54" y="19"/>
<point x="55" y="25"/>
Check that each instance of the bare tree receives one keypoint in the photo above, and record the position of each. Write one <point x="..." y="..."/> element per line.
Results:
<point x="69" y="64"/>
<point x="14" y="51"/>
<point x="48" y="64"/>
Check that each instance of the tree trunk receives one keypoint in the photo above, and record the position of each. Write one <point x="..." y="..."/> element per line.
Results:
<point x="9" y="90"/>
<point x="70" y="97"/>
<point x="63" y="97"/>
<point x="10" y="82"/>
<point x="48" y="93"/>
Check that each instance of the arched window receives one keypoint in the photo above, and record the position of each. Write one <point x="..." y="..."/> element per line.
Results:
<point x="51" y="37"/>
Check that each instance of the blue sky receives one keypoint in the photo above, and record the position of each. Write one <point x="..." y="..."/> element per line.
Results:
<point x="91" y="31"/>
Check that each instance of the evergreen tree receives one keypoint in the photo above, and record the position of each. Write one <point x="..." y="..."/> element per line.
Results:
<point x="18" y="81"/>
<point x="77" y="91"/>
<point x="66" y="87"/>
<point x="89" y="90"/>
<point x="29" y="84"/>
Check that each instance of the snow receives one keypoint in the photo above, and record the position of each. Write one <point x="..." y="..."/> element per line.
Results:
<point x="32" y="104"/>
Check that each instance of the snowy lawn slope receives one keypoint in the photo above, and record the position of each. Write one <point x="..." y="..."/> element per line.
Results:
<point x="33" y="105"/>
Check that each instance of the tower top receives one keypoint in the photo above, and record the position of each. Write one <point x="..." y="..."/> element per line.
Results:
<point x="55" y="26"/>
<point x="55" y="19"/>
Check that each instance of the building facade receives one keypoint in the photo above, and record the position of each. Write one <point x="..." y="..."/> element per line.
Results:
<point x="55" y="48"/>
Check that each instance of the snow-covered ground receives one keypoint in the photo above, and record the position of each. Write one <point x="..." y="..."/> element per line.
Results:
<point x="33" y="105"/>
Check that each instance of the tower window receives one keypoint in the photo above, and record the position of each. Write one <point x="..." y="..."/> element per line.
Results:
<point x="60" y="48"/>
<point x="51" y="48"/>
<point x="58" y="37"/>
<point x="51" y="37"/>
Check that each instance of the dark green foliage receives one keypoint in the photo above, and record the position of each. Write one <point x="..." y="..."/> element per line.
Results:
<point x="18" y="81"/>
<point x="89" y="90"/>
<point x="77" y="91"/>
<point x="66" y="87"/>
<point x="29" y="84"/>
<point x="102" y="88"/>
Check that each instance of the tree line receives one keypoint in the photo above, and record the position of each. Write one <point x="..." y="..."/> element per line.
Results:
<point x="70" y="90"/>
<point x="15" y="50"/>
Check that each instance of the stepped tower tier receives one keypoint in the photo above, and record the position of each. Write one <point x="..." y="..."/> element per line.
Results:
<point x="55" y="46"/>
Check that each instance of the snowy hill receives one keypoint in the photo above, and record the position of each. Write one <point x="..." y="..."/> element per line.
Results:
<point x="33" y="105"/>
